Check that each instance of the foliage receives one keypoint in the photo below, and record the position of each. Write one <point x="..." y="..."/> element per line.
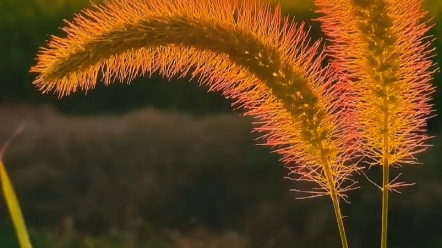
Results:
<point x="117" y="239"/>
<point x="214" y="176"/>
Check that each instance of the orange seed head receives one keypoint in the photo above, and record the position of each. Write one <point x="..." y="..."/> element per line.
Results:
<point x="380" y="48"/>
<point x="245" y="50"/>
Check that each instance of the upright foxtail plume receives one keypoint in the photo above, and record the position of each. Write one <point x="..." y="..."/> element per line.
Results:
<point x="380" y="46"/>
<point x="246" y="50"/>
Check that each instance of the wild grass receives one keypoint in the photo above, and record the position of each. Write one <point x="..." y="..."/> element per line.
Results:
<point x="371" y="101"/>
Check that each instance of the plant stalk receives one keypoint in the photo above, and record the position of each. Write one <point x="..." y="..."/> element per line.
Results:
<point x="385" y="184"/>
<point x="385" y="181"/>
<point x="14" y="208"/>
<point x="338" y="216"/>
<point x="335" y="199"/>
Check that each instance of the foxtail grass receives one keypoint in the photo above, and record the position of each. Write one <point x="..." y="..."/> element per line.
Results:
<point x="382" y="48"/>
<point x="371" y="100"/>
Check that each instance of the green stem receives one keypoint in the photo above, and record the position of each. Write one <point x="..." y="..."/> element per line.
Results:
<point x="385" y="181"/>
<point x="338" y="215"/>
<point x="14" y="208"/>
<point x="335" y="199"/>
<point x="385" y="184"/>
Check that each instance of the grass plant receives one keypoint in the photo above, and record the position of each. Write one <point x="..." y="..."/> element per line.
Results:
<point x="371" y="101"/>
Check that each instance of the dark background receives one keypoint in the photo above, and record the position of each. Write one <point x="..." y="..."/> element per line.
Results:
<point x="166" y="164"/>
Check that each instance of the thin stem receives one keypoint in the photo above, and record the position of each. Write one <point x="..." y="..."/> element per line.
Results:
<point x="334" y="198"/>
<point x="338" y="215"/>
<point x="385" y="184"/>
<point x="14" y="208"/>
<point x="385" y="181"/>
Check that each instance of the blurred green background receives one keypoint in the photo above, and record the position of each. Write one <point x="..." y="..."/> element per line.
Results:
<point x="164" y="164"/>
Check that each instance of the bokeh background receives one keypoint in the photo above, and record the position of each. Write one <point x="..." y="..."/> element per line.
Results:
<point x="167" y="165"/>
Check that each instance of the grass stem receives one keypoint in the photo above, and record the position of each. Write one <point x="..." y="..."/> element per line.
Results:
<point x="338" y="215"/>
<point x="385" y="180"/>
<point x="14" y="208"/>
<point x="385" y="184"/>
<point x="335" y="199"/>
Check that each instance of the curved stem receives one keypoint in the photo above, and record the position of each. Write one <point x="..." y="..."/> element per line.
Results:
<point x="14" y="208"/>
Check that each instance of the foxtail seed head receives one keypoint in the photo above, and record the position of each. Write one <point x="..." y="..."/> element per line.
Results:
<point x="379" y="45"/>
<point x="246" y="50"/>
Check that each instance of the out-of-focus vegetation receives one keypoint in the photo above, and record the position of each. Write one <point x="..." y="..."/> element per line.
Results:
<point x="160" y="180"/>
<point x="173" y="173"/>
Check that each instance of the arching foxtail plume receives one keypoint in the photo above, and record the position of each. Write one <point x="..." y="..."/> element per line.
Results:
<point x="381" y="48"/>
<point x="245" y="50"/>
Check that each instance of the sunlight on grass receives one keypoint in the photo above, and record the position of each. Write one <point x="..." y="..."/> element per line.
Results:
<point x="14" y="208"/>
<point x="11" y="198"/>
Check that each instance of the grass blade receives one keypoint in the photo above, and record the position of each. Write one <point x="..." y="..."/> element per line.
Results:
<point x="14" y="208"/>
